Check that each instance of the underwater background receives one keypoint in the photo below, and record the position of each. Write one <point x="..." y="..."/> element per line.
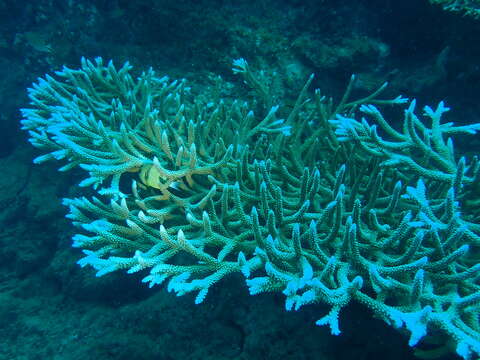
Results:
<point x="50" y="308"/>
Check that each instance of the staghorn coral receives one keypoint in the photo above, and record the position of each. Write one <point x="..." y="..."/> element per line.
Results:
<point x="467" y="7"/>
<point x="324" y="203"/>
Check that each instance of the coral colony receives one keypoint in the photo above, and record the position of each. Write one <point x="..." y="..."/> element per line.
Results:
<point x="326" y="203"/>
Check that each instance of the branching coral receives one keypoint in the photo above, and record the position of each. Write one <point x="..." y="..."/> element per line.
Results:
<point x="324" y="203"/>
<point x="467" y="7"/>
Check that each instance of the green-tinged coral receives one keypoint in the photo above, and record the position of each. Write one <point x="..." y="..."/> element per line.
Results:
<point x="325" y="203"/>
<point x="467" y="7"/>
